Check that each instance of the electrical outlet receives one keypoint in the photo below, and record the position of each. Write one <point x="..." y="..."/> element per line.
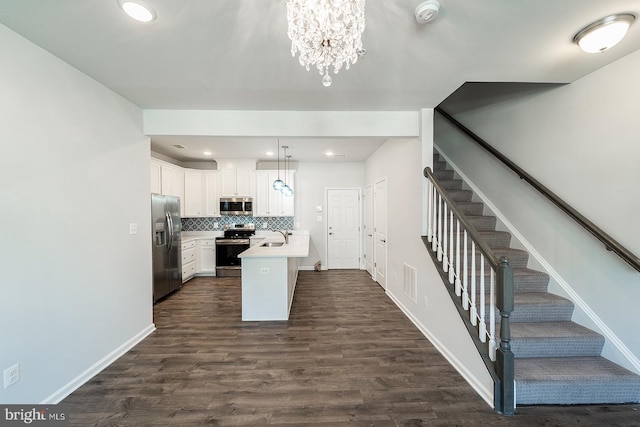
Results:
<point x="133" y="228"/>
<point x="11" y="375"/>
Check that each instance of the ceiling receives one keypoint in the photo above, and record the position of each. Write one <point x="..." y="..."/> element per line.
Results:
<point x="235" y="55"/>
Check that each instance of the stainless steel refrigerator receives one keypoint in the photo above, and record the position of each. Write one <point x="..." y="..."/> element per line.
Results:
<point x="166" y="244"/>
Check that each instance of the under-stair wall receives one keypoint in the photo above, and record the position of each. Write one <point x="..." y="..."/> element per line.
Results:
<point x="602" y="287"/>
<point x="398" y="162"/>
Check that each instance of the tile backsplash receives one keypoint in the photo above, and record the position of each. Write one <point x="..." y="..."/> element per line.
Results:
<point x="207" y="224"/>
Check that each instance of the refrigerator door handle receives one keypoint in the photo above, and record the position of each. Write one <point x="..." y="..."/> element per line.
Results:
<point x="170" y="231"/>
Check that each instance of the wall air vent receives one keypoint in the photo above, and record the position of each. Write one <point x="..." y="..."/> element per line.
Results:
<point x="182" y="147"/>
<point x="410" y="283"/>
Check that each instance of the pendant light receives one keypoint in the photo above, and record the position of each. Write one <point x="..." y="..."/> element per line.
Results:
<point x="286" y="190"/>
<point x="278" y="183"/>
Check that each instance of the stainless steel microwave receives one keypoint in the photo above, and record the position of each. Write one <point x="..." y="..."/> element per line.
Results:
<point x="236" y="206"/>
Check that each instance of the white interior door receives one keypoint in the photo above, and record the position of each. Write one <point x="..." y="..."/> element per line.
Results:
<point x="367" y="201"/>
<point x="380" y="232"/>
<point x="343" y="228"/>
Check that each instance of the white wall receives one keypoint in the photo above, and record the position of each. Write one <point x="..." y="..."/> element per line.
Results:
<point x="312" y="178"/>
<point x="581" y="141"/>
<point x="74" y="173"/>
<point x="400" y="162"/>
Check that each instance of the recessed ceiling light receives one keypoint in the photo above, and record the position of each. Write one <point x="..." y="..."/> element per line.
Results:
<point x="138" y="10"/>
<point x="207" y="153"/>
<point x="329" y="153"/>
<point x="269" y="153"/>
<point x="604" y="33"/>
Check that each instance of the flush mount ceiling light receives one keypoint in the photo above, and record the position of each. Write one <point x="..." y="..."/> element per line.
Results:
<point x="326" y="33"/>
<point x="137" y="10"/>
<point x="604" y="33"/>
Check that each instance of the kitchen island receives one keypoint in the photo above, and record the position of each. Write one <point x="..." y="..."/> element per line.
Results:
<point x="269" y="275"/>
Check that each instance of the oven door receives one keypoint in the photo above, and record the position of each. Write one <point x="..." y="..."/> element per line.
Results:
<point x="227" y="251"/>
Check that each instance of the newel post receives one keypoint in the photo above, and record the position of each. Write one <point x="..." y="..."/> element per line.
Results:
<point x="504" y="356"/>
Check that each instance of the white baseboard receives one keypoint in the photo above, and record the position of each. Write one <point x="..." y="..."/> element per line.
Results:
<point x="310" y="268"/>
<point x="474" y="382"/>
<point x="573" y="295"/>
<point x="97" y="367"/>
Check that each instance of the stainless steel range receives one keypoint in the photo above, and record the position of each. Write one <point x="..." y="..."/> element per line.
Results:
<point x="236" y="240"/>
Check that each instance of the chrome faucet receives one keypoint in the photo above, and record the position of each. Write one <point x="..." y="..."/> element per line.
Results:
<point x="285" y="234"/>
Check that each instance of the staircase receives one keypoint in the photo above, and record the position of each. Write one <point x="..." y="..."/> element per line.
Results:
<point x="556" y="360"/>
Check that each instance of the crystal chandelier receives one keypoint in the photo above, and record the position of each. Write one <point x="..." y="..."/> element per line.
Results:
<point x="326" y="33"/>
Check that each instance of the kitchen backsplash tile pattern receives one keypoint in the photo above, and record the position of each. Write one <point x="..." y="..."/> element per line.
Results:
<point x="208" y="224"/>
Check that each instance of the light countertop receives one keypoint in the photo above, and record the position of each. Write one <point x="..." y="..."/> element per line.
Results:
<point x="298" y="247"/>
<point x="186" y="236"/>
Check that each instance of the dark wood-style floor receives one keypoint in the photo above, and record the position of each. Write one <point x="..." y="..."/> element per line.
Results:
<point x="347" y="356"/>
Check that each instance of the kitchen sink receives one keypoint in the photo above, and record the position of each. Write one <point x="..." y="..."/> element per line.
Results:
<point x="272" y="244"/>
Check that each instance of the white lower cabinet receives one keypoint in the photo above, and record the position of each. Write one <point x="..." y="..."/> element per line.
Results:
<point x="188" y="260"/>
<point x="206" y="259"/>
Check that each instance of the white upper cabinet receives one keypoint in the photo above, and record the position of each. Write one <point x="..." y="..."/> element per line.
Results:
<point x="193" y="200"/>
<point x="211" y="193"/>
<point x="201" y="189"/>
<point x="270" y="202"/>
<point x="172" y="182"/>
<point x="237" y="182"/>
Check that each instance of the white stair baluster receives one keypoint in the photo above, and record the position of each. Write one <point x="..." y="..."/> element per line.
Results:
<point x="458" y="286"/>
<point x="451" y="258"/>
<point x="474" y="310"/>
<point x="445" y="258"/>
<point x="482" y="330"/>
<point x="439" y="233"/>
<point x="465" y="274"/>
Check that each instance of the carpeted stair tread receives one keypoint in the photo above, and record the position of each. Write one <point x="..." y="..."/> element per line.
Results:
<point x="444" y="174"/>
<point x="496" y="239"/>
<point x="553" y="339"/>
<point x="471" y="208"/>
<point x="528" y="280"/>
<point x="439" y="164"/>
<point x="460" y="195"/>
<point x="482" y="222"/>
<point x="524" y="279"/>
<point x="540" y="307"/>
<point x="575" y="380"/>
<point x="451" y="184"/>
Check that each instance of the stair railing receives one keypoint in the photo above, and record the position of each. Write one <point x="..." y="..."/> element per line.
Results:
<point x="466" y="257"/>
<point x="609" y="242"/>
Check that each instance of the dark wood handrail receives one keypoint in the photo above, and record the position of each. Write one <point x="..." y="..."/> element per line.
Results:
<point x="609" y="242"/>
